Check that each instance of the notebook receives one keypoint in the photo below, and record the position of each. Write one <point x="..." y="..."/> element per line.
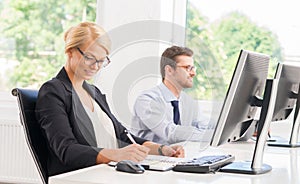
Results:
<point x="158" y="163"/>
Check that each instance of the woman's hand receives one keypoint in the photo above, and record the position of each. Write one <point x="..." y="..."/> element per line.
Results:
<point x="133" y="152"/>
<point x="173" y="151"/>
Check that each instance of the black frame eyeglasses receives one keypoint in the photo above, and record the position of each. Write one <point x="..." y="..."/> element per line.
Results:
<point x="90" y="60"/>
<point x="188" y="68"/>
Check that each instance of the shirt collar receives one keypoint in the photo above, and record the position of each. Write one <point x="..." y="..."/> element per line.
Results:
<point x="166" y="93"/>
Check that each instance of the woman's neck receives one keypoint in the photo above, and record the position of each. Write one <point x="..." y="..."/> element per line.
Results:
<point x="76" y="83"/>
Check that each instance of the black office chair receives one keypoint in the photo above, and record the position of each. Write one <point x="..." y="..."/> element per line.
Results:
<point x="34" y="138"/>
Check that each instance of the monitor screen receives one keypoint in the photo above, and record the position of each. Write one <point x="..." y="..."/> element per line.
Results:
<point x="239" y="108"/>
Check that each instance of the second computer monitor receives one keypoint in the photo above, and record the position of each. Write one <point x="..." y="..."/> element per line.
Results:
<point x="287" y="102"/>
<point x="289" y="79"/>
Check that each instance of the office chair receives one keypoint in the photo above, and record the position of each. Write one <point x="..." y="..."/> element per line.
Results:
<point x="33" y="135"/>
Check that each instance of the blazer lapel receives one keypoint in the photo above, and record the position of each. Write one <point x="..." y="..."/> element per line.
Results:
<point x="99" y="98"/>
<point x="79" y="115"/>
<point x="83" y="121"/>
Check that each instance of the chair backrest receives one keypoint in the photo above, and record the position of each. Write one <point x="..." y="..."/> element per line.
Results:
<point x="33" y="134"/>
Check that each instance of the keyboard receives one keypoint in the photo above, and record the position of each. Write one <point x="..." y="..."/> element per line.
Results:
<point x="204" y="164"/>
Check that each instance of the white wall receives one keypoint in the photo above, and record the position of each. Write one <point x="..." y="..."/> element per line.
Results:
<point x="16" y="162"/>
<point x="140" y="30"/>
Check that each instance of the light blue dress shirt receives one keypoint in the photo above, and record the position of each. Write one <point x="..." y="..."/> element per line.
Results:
<point x="153" y="117"/>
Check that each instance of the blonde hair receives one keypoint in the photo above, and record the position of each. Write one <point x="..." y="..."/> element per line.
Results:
<point x="83" y="33"/>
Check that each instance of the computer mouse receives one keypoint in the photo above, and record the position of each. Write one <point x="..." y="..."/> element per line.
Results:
<point x="130" y="167"/>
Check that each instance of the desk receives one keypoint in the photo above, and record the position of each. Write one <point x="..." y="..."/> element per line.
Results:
<point x="284" y="161"/>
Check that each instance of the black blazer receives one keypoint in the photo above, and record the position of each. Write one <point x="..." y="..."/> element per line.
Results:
<point x="67" y="127"/>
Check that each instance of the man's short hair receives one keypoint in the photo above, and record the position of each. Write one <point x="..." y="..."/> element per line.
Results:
<point x="169" y="57"/>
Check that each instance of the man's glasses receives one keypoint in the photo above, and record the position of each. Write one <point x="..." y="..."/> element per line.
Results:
<point x="188" y="68"/>
<point x="90" y="60"/>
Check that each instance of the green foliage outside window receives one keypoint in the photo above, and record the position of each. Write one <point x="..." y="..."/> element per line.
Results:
<point x="34" y="32"/>
<point x="217" y="46"/>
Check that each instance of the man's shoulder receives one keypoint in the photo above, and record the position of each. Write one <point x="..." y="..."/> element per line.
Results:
<point x="151" y="93"/>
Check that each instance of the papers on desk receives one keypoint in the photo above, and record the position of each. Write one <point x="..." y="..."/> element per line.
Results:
<point x="161" y="163"/>
<point x="158" y="163"/>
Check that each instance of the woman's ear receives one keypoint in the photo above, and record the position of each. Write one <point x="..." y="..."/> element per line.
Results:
<point x="69" y="54"/>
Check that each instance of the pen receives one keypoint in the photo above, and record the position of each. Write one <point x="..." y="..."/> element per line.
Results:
<point x="129" y="136"/>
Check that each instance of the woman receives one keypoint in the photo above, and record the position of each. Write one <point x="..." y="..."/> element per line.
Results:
<point x="74" y="115"/>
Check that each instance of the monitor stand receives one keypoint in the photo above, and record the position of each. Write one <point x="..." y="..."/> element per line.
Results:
<point x="285" y="144"/>
<point x="256" y="166"/>
<point x="246" y="168"/>
<point x="273" y="138"/>
<point x="292" y="143"/>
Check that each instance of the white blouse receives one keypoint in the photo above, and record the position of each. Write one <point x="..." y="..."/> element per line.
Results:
<point x="103" y="127"/>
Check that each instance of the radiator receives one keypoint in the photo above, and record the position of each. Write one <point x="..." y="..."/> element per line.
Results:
<point x="16" y="162"/>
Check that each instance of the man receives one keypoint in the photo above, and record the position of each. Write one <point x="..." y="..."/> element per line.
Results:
<point x="165" y="114"/>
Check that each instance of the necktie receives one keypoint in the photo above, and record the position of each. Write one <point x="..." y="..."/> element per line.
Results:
<point x="176" y="115"/>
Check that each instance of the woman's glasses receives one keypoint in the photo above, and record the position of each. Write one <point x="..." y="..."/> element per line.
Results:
<point x="90" y="60"/>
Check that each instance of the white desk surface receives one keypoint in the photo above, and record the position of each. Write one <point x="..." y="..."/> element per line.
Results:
<point x="285" y="164"/>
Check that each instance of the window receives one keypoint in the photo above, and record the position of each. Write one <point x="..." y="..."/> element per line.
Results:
<point x="218" y="33"/>
<point x="32" y="46"/>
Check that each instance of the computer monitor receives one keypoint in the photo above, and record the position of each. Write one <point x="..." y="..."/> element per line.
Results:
<point x="288" y="75"/>
<point x="244" y="97"/>
<point x="246" y="88"/>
